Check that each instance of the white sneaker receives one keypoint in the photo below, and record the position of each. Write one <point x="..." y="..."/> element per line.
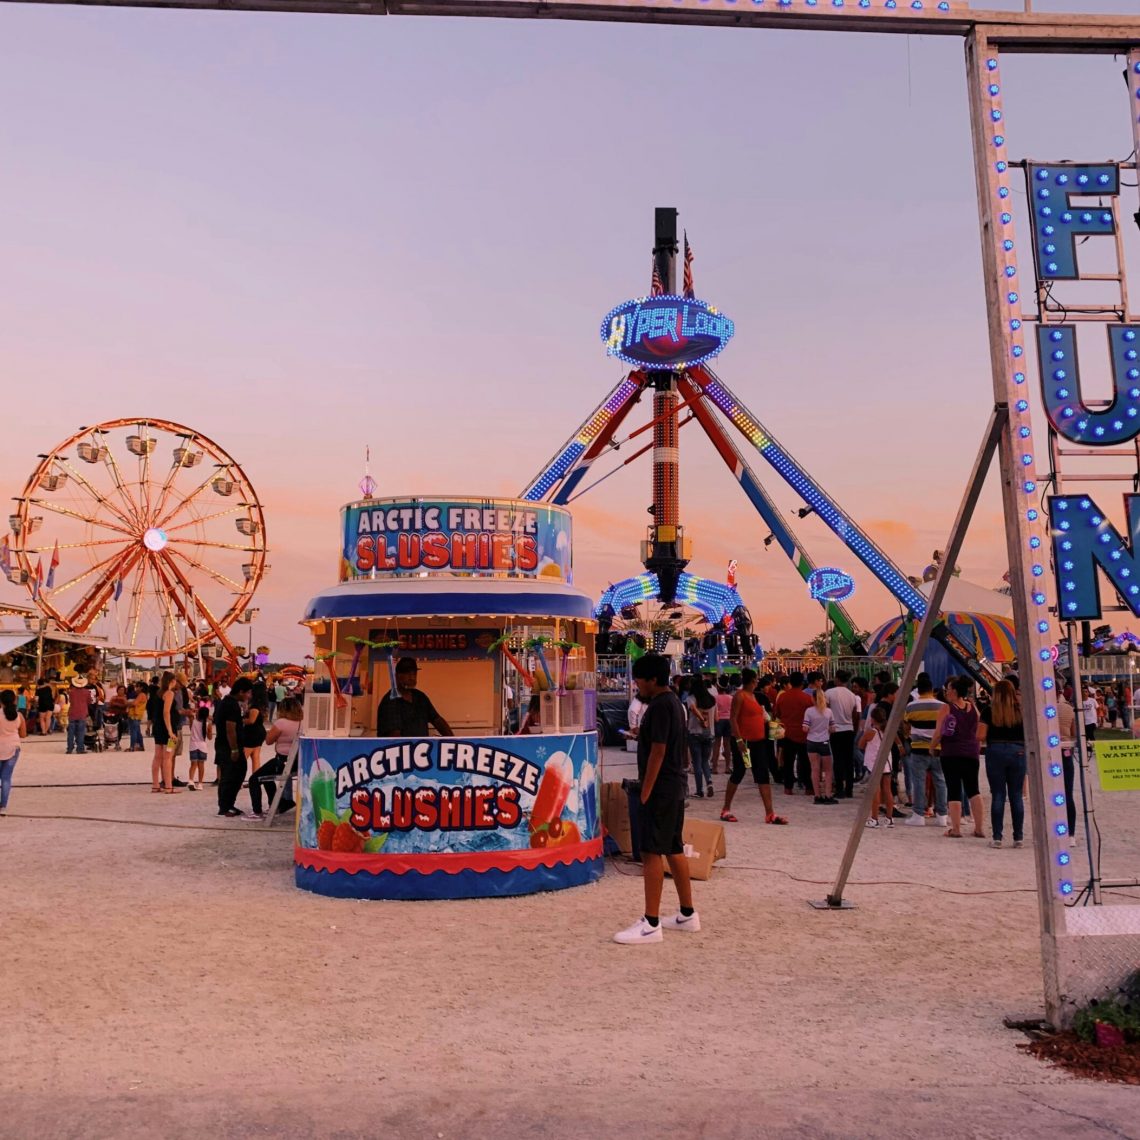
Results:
<point x="639" y="933"/>
<point x="915" y="820"/>
<point x="888" y="822"/>
<point x="942" y="820"/>
<point x="678" y="921"/>
<point x="872" y="823"/>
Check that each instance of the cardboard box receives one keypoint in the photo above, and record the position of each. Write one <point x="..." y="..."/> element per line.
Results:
<point x="615" y="815"/>
<point x="707" y="841"/>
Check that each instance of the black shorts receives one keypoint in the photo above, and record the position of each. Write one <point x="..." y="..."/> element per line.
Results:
<point x="159" y="734"/>
<point x="661" y="822"/>
<point x="758" y="754"/>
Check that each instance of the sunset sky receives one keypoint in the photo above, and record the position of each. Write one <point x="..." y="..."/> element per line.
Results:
<point x="305" y="235"/>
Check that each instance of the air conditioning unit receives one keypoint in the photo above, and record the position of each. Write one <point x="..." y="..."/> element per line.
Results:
<point x="324" y="718"/>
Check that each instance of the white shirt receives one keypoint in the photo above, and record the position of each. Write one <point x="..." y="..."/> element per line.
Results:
<point x="1089" y="708"/>
<point x="842" y="702"/>
<point x="637" y="709"/>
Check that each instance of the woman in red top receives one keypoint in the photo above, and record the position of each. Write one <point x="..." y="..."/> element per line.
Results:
<point x="749" y="727"/>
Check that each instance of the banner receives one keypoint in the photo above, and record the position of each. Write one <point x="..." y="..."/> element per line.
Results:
<point x="446" y="796"/>
<point x="500" y="537"/>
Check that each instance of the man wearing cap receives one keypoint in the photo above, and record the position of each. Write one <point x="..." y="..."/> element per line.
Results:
<point x="409" y="711"/>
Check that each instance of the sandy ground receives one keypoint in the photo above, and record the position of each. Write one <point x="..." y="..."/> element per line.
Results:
<point x="161" y="976"/>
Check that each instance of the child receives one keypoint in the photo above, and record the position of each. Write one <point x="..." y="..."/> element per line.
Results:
<point x="532" y="722"/>
<point x="201" y="730"/>
<point x="883" y="794"/>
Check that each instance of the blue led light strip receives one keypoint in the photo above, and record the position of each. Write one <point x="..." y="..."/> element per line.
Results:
<point x="1035" y="658"/>
<point x="812" y="494"/>
<point x="715" y="600"/>
<point x="576" y="446"/>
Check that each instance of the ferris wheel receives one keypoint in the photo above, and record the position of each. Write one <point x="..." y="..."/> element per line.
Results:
<point x="144" y="529"/>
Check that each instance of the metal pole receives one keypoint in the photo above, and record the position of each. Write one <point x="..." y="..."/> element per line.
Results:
<point x="40" y="651"/>
<point x="930" y="619"/>
<point x="1080" y="759"/>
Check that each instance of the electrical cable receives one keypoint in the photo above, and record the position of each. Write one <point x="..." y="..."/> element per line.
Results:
<point x="144" y="822"/>
<point x="861" y="883"/>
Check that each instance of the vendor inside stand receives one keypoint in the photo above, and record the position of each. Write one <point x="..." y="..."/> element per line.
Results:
<point x="409" y="710"/>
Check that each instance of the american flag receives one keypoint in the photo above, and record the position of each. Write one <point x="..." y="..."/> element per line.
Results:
<point x="52" y="565"/>
<point x="38" y="580"/>
<point x="655" y="286"/>
<point x="688" y="290"/>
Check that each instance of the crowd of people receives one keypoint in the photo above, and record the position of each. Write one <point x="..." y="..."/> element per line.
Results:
<point x="820" y="737"/>
<point x="251" y="726"/>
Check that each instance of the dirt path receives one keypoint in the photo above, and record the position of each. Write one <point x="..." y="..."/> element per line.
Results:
<point x="163" y="977"/>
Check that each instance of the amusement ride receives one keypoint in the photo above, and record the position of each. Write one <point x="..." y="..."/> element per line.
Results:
<point x="143" y="530"/>
<point x="669" y="338"/>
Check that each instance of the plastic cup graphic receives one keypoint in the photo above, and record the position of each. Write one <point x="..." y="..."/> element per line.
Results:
<point x="589" y="793"/>
<point x="322" y="788"/>
<point x="553" y="790"/>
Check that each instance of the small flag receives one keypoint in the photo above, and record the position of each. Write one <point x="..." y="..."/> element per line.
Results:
<point x="38" y="580"/>
<point x="688" y="290"/>
<point x="52" y="565"/>
<point x="655" y="286"/>
<point x="118" y="589"/>
<point x="6" y="558"/>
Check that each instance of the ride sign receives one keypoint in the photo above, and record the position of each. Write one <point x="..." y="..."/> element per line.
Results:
<point x="830" y="585"/>
<point x="665" y="332"/>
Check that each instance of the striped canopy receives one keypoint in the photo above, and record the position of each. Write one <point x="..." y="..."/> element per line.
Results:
<point x="989" y="635"/>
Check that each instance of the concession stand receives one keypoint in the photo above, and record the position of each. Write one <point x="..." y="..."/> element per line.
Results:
<point x="478" y="592"/>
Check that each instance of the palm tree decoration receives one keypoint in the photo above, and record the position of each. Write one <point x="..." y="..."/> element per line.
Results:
<point x="330" y="663"/>
<point x="502" y="644"/>
<point x="362" y="643"/>
<point x="567" y="647"/>
<point x="538" y="644"/>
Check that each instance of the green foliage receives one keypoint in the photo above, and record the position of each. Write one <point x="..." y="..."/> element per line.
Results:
<point x="1122" y="1010"/>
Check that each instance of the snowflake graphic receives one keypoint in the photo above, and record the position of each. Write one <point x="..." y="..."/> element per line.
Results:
<point x="541" y="752"/>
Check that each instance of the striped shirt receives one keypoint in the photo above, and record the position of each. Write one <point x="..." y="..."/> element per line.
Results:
<point x="922" y="716"/>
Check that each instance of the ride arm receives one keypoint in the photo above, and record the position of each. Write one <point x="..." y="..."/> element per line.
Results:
<point x="556" y="481"/>
<point x="767" y="510"/>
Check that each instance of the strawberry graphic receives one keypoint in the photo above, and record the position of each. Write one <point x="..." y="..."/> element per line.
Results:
<point x="347" y="840"/>
<point x="325" y="835"/>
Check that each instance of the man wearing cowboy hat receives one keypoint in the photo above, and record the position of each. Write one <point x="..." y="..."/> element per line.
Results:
<point x="82" y="700"/>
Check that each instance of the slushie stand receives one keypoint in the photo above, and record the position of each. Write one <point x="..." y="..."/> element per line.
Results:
<point x="478" y="592"/>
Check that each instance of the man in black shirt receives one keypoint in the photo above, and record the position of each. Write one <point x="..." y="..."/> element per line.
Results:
<point x="661" y="771"/>
<point x="410" y="711"/>
<point x="228" y="752"/>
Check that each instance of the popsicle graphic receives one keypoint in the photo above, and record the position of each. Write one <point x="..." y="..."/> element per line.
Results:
<point x="553" y="790"/>
<point x="322" y="789"/>
<point x="588" y="789"/>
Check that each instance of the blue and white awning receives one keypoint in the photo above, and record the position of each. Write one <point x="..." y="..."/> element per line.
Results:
<point x="449" y="597"/>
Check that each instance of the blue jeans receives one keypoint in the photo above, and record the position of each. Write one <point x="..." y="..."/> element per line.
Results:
<point x="134" y="727"/>
<point x="7" y="767"/>
<point x="1006" y="770"/>
<point x="76" y="731"/>
<point x="700" y="751"/>
<point x="917" y="765"/>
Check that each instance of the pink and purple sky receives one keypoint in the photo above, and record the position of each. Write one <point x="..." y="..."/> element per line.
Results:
<point x="305" y="235"/>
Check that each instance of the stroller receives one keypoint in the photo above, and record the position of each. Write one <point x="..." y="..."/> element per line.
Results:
<point x="93" y="737"/>
<point x="112" y="730"/>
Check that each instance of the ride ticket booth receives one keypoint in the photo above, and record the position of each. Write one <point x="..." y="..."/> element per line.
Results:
<point x="477" y="592"/>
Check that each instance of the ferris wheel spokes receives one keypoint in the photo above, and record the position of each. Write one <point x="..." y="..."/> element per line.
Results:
<point x="188" y="499"/>
<point x="238" y="587"/>
<point x="120" y="486"/>
<point x="63" y="587"/>
<point x="92" y="520"/>
<point x="176" y="465"/>
<point x="95" y="493"/>
<point x="200" y="608"/>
